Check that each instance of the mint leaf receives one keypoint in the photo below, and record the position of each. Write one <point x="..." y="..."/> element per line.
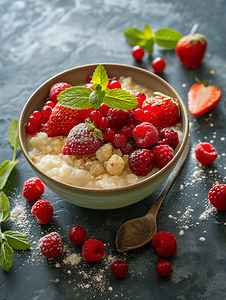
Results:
<point x="17" y="241"/>
<point x="96" y="98"/>
<point x="13" y="135"/>
<point x="167" y="37"/>
<point x="120" y="99"/>
<point x="5" y="169"/>
<point x="4" y="208"/>
<point x="6" y="256"/>
<point x="75" y="97"/>
<point x="100" y="78"/>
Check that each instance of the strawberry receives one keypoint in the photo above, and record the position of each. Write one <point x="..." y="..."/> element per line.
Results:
<point x="61" y="121"/>
<point x="202" y="98"/>
<point x="81" y="141"/>
<point x="56" y="89"/>
<point x="190" y="50"/>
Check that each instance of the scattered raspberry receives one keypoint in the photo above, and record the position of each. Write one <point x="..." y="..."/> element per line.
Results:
<point x="51" y="245"/>
<point x="145" y="135"/>
<point x="43" y="210"/>
<point x="217" y="196"/>
<point x="169" y="137"/>
<point x="81" y="141"/>
<point x="119" y="269"/>
<point x="163" y="155"/>
<point x="77" y="235"/>
<point x="205" y="153"/>
<point x="164" y="268"/>
<point x="33" y="189"/>
<point x="165" y="243"/>
<point x="141" y="162"/>
<point x="56" y="89"/>
<point x="93" y="250"/>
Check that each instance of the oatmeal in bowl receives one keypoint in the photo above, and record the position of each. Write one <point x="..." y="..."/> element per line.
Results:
<point x="104" y="137"/>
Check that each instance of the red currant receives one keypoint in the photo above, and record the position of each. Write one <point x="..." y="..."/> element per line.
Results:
<point x="137" y="53"/>
<point x="158" y="65"/>
<point x="109" y="134"/>
<point x="89" y="78"/>
<point x="46" y="111"/>
<point x="103" y="109"/>
<point x="126" y="149"/>
<point x="138" y="113"/>
<point x="126" y="131"/>
<point x="114" y="84"/>
<point x="33" y="121"/>
<point x="37" y="114"/>
<point x="104" y="123"/>
<point x="30" y="129"/>
<point x="77" y="235"/>
<point x="119" y="269"/>
<point x="141" y="97"/>
<point x="89" y="85"/>
<point x="95" y="116"/>
<point x="164" y="268"/>
<point x="119" y="140"/>
<point x="50" y="103"/>
<point x="147" y="116"/>
<point x="83" y="113"/>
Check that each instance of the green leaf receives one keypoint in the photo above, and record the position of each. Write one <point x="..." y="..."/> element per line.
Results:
<point x="13" y="135"/>
<point x="75" y="97"/>
<point x="6" y="256"/>
<point x="167" y="37"/>
<point x="17" y="241"/>
<point x="120" y="99"/>
<point x="96" y="98"/>
<point x="5" y="169"/>
<point x="100" y="78"/>
<point x="4" y="208"/>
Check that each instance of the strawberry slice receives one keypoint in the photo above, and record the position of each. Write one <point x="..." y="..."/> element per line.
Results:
<point x="202" y="97"/>
<point x="81" y="141"/>
<point x="61" y="121"/>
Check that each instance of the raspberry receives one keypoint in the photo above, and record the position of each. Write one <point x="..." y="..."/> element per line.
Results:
<point x="164" y="268"/>
<point x="158" y="65"/>
<point x="56" y="89"/>
<point x="165" y="243"/>
<point x="33" y="189"/>
<point x="93" y="250"/>
<point x="118" y="117"/>
<point x="43" y="210"/>
<point x="77" y="235"/>
<point x="141" y="162"/>
<point x="163" y="155"/>
<point x="205" y="153"/>
<point x="51" y="245"/>
<point x="169" y="137"/>
<point x="145" y="135"/>
<point x="217" y="196"/>
<point x="119" y="269"/>
<point x="137" y="53"/>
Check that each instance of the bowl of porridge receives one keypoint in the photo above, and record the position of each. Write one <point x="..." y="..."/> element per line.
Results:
<point x="104" y="157"/>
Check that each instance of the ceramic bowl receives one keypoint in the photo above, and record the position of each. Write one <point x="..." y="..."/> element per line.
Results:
<point x="103" y="199"/>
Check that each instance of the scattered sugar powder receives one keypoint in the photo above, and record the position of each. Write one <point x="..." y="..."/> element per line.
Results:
<point x="17" y="213"/>
<point x="73" y="259"/>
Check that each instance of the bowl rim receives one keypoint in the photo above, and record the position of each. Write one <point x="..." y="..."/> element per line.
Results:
<point x="124" y="188"/>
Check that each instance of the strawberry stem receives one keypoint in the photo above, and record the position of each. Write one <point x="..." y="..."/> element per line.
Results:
<point x="194" y="28"/>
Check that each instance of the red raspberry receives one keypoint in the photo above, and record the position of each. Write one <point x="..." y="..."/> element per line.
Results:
<point x="165" y="243"/>
<point x="137" y="53"/>
<point x="145" y="135"/>
<point x="119" y="269"/>
<point x="217" y="196"/>
<point x="169" y="137"/>
<point x="205" y="153"/>
<point x="77" y="235"/>
<point x="56" y="89"/>
<point x="164" y="268"/>
<point x="158" y="65"/>
<point x="93" y="250"/>
<point x="119" y="118"/>
<point x="51" y="245"/>
<point x="33" y="189"/>
<point x="141" y="162"/>
<point x="43" y="210"/>
<point x="163" y="155"/>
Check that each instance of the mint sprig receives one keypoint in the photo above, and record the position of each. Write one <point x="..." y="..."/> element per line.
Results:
<point x="165" y="37"/>
<point x="79" y="97"/>
<point x="91" y="126"/>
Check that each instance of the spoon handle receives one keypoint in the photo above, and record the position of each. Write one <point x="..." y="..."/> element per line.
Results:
<point x="156" y="205"/>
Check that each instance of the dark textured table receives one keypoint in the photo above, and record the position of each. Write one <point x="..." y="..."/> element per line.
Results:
<point x="42" y="38"/>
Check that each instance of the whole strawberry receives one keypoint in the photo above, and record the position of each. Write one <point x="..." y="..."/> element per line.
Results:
<point x="190" y="50"/>
<point x="56" y="89"/>
<point x="202" y="97"/>
<point x="51" y="245"/>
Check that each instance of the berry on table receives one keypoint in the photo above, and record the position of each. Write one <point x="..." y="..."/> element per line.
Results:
<point x="33" y="189"/>
<point x="163" y="268"/>
<point x="119" y="269"/>
<point x="93" y="250"/>
<point x="158" y="65"/>
<point x="165" y="243"/>
<point x="217" y="196"/>
<point x="137" y="53"/>
<point x="51" y="245"/>
<point x="145" y="135"/>
<point x="163" y="155"/>
<point x="43" y="210"/>
<point x="77" y="235"/>
<point x="56" y="89"/>
<point x="141" y="162"/>
<point x="205" y="153"/>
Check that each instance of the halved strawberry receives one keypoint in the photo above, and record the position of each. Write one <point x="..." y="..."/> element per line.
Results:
<point x="202" y="97"/>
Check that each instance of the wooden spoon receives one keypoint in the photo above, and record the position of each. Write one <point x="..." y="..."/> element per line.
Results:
<point x="136" y="233"/>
